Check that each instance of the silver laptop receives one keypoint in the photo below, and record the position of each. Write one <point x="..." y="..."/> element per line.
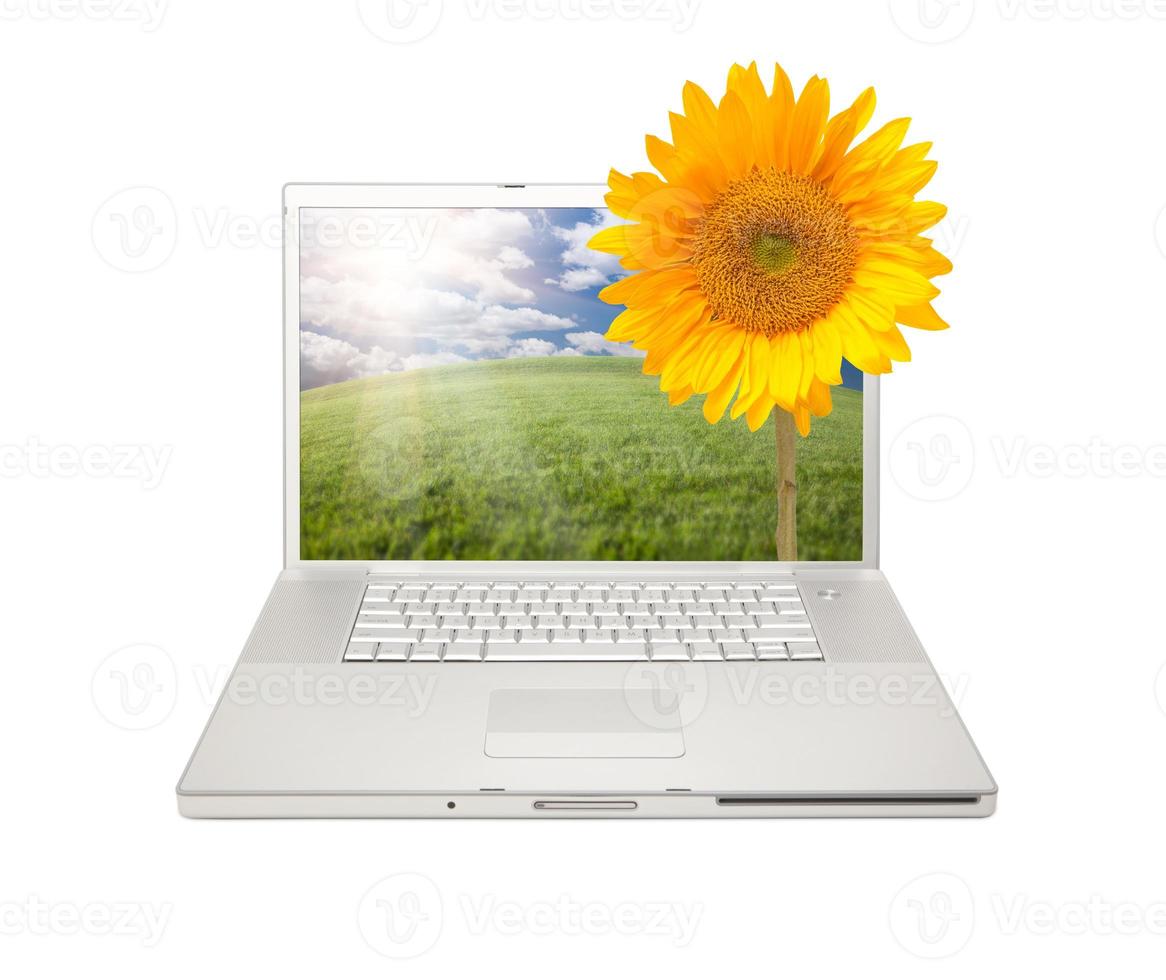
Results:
<point x="517" y="582"/>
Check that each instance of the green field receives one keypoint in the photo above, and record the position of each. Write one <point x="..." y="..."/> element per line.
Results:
<point x="557" y="459"/>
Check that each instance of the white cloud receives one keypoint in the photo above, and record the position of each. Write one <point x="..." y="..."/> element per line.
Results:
<point x="590" y="342"/>
<point x="414" y="275"/>
<point x="510" y="257"/>
<point x="531" y="347"/>
<point x="328" y="360"/>
<point x="584" y="268"/>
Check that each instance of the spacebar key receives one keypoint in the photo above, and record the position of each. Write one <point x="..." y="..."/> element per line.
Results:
<point x="545" y="652"/>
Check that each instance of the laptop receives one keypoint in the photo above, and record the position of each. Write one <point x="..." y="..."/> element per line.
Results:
<point x="517" y="582"/>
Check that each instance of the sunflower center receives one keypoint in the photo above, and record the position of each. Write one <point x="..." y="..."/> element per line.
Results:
<point x="774" y="252"/>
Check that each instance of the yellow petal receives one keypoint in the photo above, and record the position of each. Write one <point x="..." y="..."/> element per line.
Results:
<point x="734" y="135"/>
<point x="827" y="352"/>
<point x="758" y="412"/>
<point x="819" y="400"/>
<point x="781" y="108"/>
<point x="613" y="240"/>
<point x="721" y="353"/>
<point x="840" y="131"/>
<point x="790" y="358"/>
<point x="892" y="344"/>
<point x="809" y="118"/>
<point x="717" y="400"/>
<point x="922" y="317"/>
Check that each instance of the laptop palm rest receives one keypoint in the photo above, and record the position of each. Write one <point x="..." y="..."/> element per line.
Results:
<point x="582" y="724"/>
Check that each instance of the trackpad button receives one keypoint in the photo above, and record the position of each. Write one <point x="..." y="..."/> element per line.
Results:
<point x="581" y="724"/>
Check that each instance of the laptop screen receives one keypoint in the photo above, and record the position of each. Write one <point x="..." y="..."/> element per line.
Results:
<point x="459" y="400"/>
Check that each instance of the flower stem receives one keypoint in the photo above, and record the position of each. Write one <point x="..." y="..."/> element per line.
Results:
<point x="787" y="485"/>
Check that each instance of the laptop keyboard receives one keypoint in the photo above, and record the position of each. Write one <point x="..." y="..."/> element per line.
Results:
<point x="581" y="621"/>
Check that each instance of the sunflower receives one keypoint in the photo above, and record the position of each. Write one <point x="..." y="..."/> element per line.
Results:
<point x="769" y="249"/>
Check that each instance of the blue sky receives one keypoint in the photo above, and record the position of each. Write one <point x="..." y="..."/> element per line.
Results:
<point x="390" y="289"/>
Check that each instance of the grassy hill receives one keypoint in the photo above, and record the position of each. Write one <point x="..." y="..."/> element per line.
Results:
<point x="556" y="459"/>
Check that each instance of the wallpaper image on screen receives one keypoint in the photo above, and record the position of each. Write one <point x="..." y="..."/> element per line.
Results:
<point x="458" y="400"/>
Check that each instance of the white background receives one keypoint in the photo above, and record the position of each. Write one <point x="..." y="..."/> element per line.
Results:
<point x="1035" y="584"/>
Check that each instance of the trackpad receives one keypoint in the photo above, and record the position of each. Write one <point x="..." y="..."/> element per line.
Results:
<point x="583" y="724"/>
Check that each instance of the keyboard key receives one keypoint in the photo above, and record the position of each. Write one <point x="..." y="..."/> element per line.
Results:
<point x="669" y="651"/>
<point x="463" y="651"/>
<point x="704" y="650"/>
<point x="501" y="636"/>
<point x="771" y="651"/>
<point x="629" y="636"/>
<point x="378" y="633"/>
<point x="396" y="650"/>
<point x="426" y="651"/>
<point x="360" y="651"/>
<point x="551" y="652"/>
<point x="738" y="651"/>
<point x="785" y="633"/>
<point x="804" y="651"/>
